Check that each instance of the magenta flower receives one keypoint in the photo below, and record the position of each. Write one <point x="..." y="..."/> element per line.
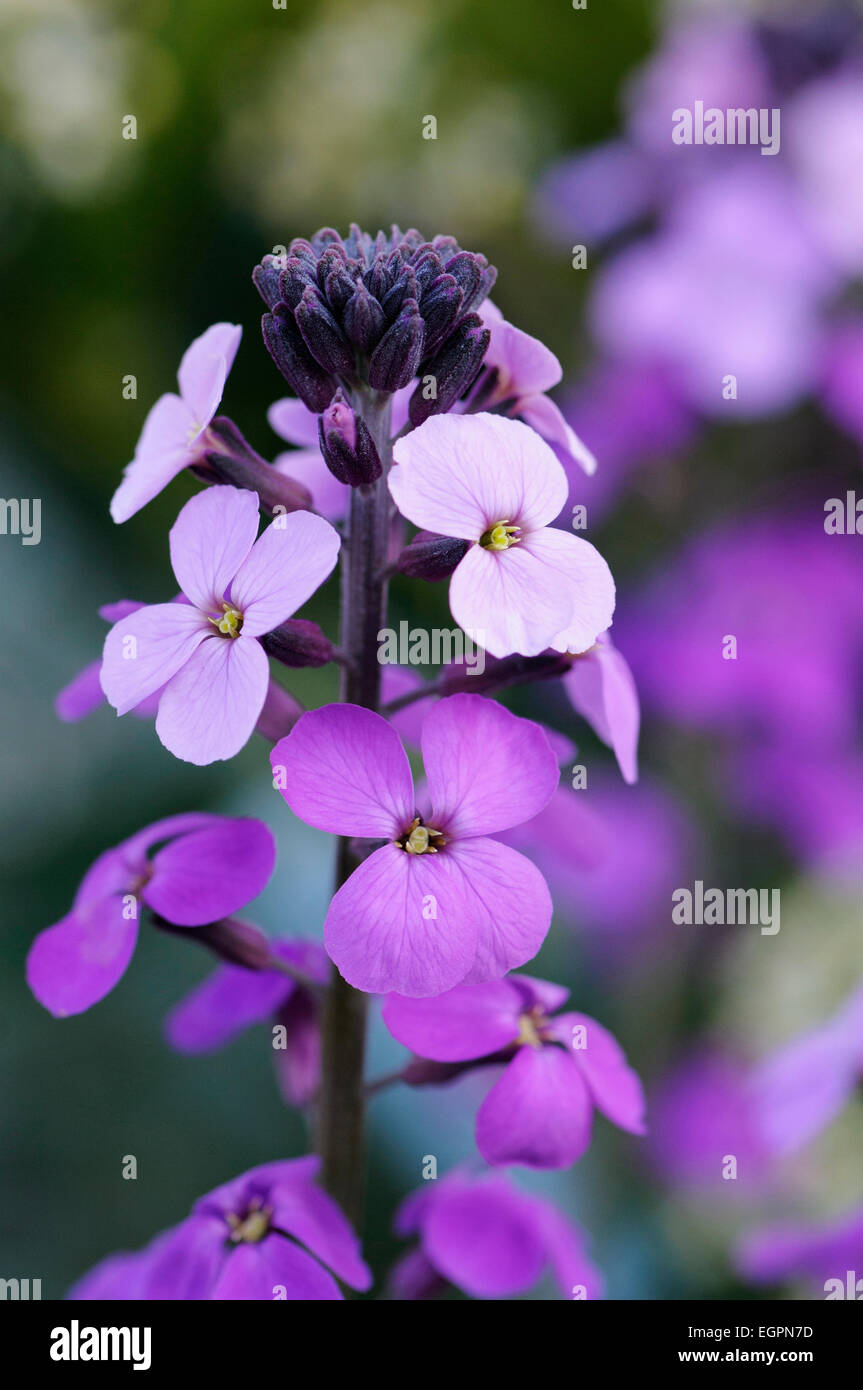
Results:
<point x="523" y="585"/>
<point x="824" y="1253"/>
<point x="702" y="1114"/>
<point x="601" y="689"/>
<point x="441" y="903"/>
<point x="174" y="433"/>
<point x="205" y="652"/>
<point x="524" y="369"/>
<point x="557" y="1069"/>
<point x="206" y="868"/>
<point x="799" y="1089"/>
<point x="267" y="1235"/>
<point x="234" y="998"/>
<point x="490" y="1240"/>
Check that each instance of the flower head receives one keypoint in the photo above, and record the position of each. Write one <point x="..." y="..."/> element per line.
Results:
<point x="267" y="1235"/>
<point x="523" y="585"/>
<point x="234" y="998"/>
<point x="489" y="1239"/>
<point x="174" y="433"/>
<point x="205" y="868"/>
<point x="205" y="654"/>
<point x="440" y="903"/>
<point x="558" y="1067"/>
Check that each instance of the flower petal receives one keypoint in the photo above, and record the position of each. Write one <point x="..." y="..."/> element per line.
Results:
<point x="81" y="696"/>
<point x="311" y="1216"/>
<point x="185" y="1262"/>
<point x="545" y="417"/>
<point x="508" y="601"/>
<point x="601" y="688"/>
<point x="484" y="1238"/>
<point x="467" y="1022"/>
<point x="564" y="1246"/>
<point x="143" y="651"/>
<point x="346" y="771"/>
<point x="209" y="542"/>
<point x="507" y="899"/>
<point x="262" y="1271"/>
<point x="209" y="709"/>
<point x="538" y="1113"/>
<point x="294" y="422"/>
<point x="460" y="474"/>
<point x="402" y="923"/>
<point x="330" y="497"/>
<point x="211" y="873"/>
<point x="614" y="1087"/>
<point x="581" y="571"/>
<point x="204" y="369"/>
<point x="163" y="451"/>
<point x="486" y="768"/>
<point x="292" y="558"/>
<point x="226" y="1003"/>
<point x="79" y="960"/>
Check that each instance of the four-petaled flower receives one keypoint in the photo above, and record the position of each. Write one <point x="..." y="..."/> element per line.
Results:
<point x="557" y="1069"/>
<point x="205" y="652"/>
<point x="175" y="431"/>
<point x="523" y="585"/>
<point x="441" y="903"/>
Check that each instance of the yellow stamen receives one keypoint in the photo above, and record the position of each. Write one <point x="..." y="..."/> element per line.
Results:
<point x="500" y="536"/>
<point x="528" y="1031"/>
<point x="252" y="1227"/>
<point x="418" y="838"/>
<point x="230" y="622"/>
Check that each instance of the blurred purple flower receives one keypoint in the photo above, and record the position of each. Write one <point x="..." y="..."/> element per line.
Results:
<point x="490" y="1240"/>
<point x="266" y="1235"/>
<point x="557" y="1069"/>
<point x="207" y="868"/>
<point x="702" y="1115"/>
<point x="827" y="1251"/>
<point x="234" y="998"/>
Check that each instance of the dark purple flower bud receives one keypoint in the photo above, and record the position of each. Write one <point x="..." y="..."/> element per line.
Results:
<point x="285" y="345"/>
<point x="378" y="279"/>
<point x="395" y="360"/>
<point x="363" y="319"/>
<point x="232" y="460"/>
<point x="340" y="286"/>
<point x="404" y="289"/>
<point x="298" y="642"/>
<point x="349" y="451"/>
<point x="503" y="672"/>
<point x="453" y="370"/>
<point x="421" y="1072"/>
<point x="466" y="270"/>
<point x="426" y="268"/>
<point x="233" y="941"/>
<point x="440" y="307"/>
<point x="431" y="557"/>
<point x="293" y="281"/>
<point x="266" y="279"/>
<point x="322" y="335"/>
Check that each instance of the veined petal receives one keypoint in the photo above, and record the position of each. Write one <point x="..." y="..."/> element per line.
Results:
<point x="508" y="601"/>
<point x="204" y="369"/>
<point x="538" y="1113"/>
<point x="614" y="1087"/>
<point x="209" y="709"/>
<point x="467" y="1022"/>
<point x="602" y="690"/>
<point x="262" y="1270"/>
<point x="546" y="418"/>
<point x="460" y="474"/>
<point x="143" y="651"/>
<point x="292" y="558"/>
<point x="81" y="696"/>
<point x="580" y="571"/>
<point x="163" y="451"/>
<point x="209" y="542"/>
<point x="484" y="1238"/>
<point x="308" y="1214"/>
<point x="346" y="772"/>
<point x="508" y="900"/>
<point x="79" y="960"/>
<point x="402" y="923"/>
<point x="486" y="768"/>
<point x="211" y="873"/>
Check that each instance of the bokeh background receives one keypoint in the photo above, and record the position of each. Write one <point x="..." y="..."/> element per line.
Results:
<point x="554" y="130"/>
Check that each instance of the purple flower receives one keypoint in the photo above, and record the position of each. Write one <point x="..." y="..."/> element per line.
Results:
<point x="521" y="370"/>
<point x="842" y="382"/>
<point x="266" y="1235"/>
<point x="206" y="868"/>
<point x="601" y="689"/>
<point x="800" y="1088"/>
<point x="701" y="1115"/>
<point x="442" y="903"/>
<point x="234" y="998"/>
<point x="557" y="1069"/>
<point x="823" y="1253"/>
<point x="490" y="1240"/>
<point x="523" y="585"/>
<point x="175" y="431"/>
<point x="206" y="653"/>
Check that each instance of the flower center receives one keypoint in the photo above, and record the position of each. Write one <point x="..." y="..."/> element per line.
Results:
<point x="421" y="839"/>
<point x="253" y="1226"/>
<point x="230" y="622"/>
<point x="530" y="1029"/>
<point x="500" y="536"/>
